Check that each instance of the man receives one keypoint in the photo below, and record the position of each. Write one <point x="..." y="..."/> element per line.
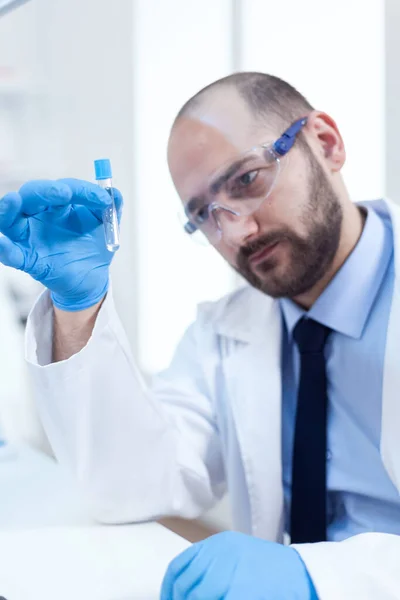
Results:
<point x="283" y="393"/>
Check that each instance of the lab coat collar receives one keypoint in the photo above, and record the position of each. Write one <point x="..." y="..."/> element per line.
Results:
<point x="387" y="209"/>
<point x="245" y="315"/>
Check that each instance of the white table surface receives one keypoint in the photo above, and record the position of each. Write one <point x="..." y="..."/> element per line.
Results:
<point x="50" y="548"/>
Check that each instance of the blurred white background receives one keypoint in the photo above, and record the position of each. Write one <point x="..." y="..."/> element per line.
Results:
<point x="84" y="79"/>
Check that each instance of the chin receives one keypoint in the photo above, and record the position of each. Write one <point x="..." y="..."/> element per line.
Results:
<point x="277" y="284"/>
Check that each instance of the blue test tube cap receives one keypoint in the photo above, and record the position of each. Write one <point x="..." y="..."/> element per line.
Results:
<point x="102" y="168"/>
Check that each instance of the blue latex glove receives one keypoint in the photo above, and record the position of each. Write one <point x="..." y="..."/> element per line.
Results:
<point x="53" y="231"/>
<point x="233" y="566"/>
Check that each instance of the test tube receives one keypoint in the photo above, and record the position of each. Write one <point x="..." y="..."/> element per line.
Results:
<point x="103" y="175"/>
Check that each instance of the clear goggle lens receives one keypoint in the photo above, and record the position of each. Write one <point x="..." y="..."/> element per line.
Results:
<point x="235" y="191"/>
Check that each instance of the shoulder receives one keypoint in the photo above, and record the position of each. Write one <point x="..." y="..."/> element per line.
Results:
<point x="214" y="312"/>
<point x="241" y="314"/>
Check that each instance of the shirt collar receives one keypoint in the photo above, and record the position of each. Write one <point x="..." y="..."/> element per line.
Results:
<point x="346" y="302"/>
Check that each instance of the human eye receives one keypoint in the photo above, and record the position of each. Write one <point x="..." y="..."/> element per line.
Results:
<point x="247" y="178"/>
<point x="201" y="215"/>
<point x="245" y="184"/>
<point x="244" y="181"/>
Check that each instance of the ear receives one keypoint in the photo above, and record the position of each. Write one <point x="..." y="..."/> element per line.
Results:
<point x="324" y="135"/>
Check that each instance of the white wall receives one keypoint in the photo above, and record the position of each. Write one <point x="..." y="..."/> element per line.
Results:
<point x="392" y="97"/>
<point x="334" y="54"/>
<point x="179" y="47"/>
<point x="19" y="143"/>
<point x="18" y="74"/>
<point x="86" y="71"/>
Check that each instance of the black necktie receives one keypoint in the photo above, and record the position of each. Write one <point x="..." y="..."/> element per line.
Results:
<point x="308" y="506"/>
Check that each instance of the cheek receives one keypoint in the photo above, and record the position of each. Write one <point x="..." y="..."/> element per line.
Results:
<point x="227" y="252"/>
<point x="286" y="206"/>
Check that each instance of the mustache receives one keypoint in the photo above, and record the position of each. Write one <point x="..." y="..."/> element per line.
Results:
<point x="263" y="242"/>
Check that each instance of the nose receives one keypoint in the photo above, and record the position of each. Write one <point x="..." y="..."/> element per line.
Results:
<point x="236" y="229"/>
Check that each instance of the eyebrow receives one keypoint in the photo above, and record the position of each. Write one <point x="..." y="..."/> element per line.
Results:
<point x="231" y="170"/>
<point x="215" y="187"/>
<point x="192" y="205"/>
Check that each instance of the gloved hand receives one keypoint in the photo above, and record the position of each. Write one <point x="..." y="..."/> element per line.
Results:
<point x="53" y="230"/>
<point x="233" y="566"/>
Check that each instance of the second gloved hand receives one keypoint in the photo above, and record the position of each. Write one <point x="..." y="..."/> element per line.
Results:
<point x="53" y="230"/>
<point x="233" y="566"/>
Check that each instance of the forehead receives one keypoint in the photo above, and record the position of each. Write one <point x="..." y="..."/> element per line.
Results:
<point x="209" y="138"/>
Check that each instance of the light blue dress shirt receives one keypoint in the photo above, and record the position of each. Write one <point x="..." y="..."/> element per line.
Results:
<point x="356" y="306"/>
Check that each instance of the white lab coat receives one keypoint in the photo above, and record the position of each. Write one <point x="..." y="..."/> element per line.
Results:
<point x="212" y="421"/>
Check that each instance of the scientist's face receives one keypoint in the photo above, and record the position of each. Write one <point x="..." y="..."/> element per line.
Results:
<point x="286" y="246"/>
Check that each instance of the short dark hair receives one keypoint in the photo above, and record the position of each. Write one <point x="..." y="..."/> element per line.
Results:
<point x="266" y="95"/>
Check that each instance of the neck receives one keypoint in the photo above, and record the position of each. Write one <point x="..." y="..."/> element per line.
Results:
<point x="353" y="225"/>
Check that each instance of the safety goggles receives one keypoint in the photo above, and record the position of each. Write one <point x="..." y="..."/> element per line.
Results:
<point x="239" y="188"/>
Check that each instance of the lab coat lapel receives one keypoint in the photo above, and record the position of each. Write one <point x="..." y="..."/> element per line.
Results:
<point x="391" y="382"/>
<point x="252" y="332"/>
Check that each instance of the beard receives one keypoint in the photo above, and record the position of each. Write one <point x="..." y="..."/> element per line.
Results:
<point x="310" y="256"/>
